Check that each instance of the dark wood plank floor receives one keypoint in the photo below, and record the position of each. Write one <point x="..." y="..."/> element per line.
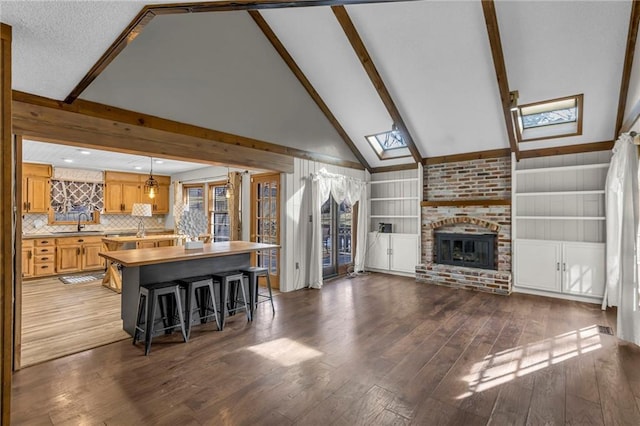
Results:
<point x="373" y="350"/>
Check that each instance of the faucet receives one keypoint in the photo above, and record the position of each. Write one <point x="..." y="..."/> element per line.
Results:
<point x="79" y="217"/>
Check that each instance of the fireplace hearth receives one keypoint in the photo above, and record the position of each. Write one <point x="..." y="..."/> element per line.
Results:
<point x="469" y="250"/>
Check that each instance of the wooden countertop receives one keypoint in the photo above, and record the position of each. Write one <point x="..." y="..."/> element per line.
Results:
<point x="150" y="256"/>
<point x="133" y="238"/>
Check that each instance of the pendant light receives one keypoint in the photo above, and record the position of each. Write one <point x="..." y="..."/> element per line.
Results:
<point x="151" y="185"/>
<point x="229" y="186"/>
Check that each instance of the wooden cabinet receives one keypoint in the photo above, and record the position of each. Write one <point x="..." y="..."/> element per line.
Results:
<point x="151" y="244"/>
<point x="123" y="189"/>
<point x="36" y="188"/>
<point x="575" y="268"/>
<point x="44" y="257"/>
<point x="393" y="252"/>
<point x="28" y="257"/>
<point x="76" y="254"/>
<point x="160" y="204"/>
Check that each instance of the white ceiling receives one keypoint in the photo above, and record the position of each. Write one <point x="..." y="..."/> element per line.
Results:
<point x="217" y="70"/>
<point x="54" y="154"/>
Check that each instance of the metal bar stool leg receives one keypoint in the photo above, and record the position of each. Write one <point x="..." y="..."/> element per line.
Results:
<point x="244" y="299"/>
<point x="213" y="302"/>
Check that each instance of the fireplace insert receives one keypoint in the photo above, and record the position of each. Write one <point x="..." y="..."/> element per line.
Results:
<point x="474" y="251"/>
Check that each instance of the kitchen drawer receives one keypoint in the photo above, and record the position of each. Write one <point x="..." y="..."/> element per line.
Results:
<point x="27" y="243"/>
<point x="41" y="269"/>
<point x="50" y="250"/>
<point x="44" y="242"/>
<point x="78" y="240"/>
<point x="44" y="258"/>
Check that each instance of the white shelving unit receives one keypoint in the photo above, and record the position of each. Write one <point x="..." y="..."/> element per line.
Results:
<point x="558" y="225"/>
<point x="394" y="197"/>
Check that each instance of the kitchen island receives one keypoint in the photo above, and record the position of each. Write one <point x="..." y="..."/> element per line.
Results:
<point x="151" y="265"/>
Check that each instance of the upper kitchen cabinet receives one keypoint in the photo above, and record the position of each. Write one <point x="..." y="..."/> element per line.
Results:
<point x="122" y="190"/>
<point x="36" y="188"/>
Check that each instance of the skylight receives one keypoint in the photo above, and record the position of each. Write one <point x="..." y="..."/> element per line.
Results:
<point x="389" y="144"/>
<point x="549" y="119"/>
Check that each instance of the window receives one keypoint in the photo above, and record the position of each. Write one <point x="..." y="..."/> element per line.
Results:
<point x="389" y="144"/>
<point x="194" y="196"/>
<point x="219" y="220"/>
<point x="336" y="220"/>
<point x="555" y="118"/>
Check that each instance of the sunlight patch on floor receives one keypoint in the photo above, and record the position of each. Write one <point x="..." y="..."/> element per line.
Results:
<point x="285" y="351"/>
<point x="502" y="367"/>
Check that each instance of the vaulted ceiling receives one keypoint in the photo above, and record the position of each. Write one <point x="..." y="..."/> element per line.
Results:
<point x="434" y="59"/>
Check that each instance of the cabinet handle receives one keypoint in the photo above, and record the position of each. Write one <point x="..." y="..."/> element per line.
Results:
<point x="30" y="254"/>
<point x="83" y="252"/>
<point x="29" y="205"/>
<point x="564" y="266"/>
<point x="557" y="266"/>
<point x="78" y="251"/>
<point x="45" y="258"/>
<point x="44" y="267"/>
<point x="24" y="206"/>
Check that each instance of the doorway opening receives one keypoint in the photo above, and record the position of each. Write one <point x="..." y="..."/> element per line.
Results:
<point x="337" y="244"/>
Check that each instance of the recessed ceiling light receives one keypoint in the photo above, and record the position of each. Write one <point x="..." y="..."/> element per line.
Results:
<point x="159" y="161"/>
<point x="84" y="152"/>
<point x="67" y="160"/>
<point x="138" y="168"/>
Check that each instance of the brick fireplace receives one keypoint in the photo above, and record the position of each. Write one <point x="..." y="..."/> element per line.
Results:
<point x="468" y="197"/>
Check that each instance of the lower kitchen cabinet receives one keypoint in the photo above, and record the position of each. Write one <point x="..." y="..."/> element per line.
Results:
<point x="573" y="268"/>
<point x="393" y="252"/>
<point x="76" y="254"/>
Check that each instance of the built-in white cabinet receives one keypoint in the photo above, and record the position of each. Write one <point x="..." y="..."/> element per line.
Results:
<point x="563" y="267"/>
<point x="393" y="252"/>
<point x="559" y="224"/>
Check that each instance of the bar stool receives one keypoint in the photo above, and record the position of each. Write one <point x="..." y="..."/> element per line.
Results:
<point x="201" y="297"/>
<point x="253" y="273"/>
<point x="228" y="294"/>
<point x="157" y="294"/>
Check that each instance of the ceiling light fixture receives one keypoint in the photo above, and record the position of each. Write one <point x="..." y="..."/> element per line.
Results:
<point x="137" y="167"/>
<point x="151" y="185"/>
<point x="84" y="152"/>
<point x="67" y="160"/>
<point x="159" y="161"/>
<point x="228" y="186"/>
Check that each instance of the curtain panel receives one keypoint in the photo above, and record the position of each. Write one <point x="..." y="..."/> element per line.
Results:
<point x="341" y="188"/>
<point x="622" y="212"/>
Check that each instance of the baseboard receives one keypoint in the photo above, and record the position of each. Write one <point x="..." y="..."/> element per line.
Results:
<point x="586" y="299"/>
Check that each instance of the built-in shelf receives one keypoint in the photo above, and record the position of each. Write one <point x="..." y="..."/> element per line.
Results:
<point x="562" y="217"/>
<point x="395" y="199"/>
<point x="554" y="193"/>
<point x="563" y="168"/>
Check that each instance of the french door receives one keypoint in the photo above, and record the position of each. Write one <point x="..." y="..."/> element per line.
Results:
<point x="337" y="245"/>
<point x="265" y="222"/>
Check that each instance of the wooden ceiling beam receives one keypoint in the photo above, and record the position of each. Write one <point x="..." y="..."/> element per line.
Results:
<point x="468" y="156"/>
<point x="568" y="149"/>
<point x="35" y="112"/>
<point x="493" y="31"/>
<point x="147" y="13"/>
<point x="302" y="78"/>
<point x="632" y="36"/>
<point x="367" y="62"/>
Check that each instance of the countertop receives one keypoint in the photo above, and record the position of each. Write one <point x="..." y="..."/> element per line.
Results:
<point x="150" y="256"/>
<point x="108" y="232"/>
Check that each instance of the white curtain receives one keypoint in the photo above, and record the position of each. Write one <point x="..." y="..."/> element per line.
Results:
<point x="341" y="188"/>
<point x="622" y="238"/>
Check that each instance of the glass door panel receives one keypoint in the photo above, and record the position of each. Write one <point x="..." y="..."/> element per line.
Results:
<point x="265" y="223"/>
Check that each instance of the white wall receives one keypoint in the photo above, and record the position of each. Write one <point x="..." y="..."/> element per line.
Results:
<point x="296" y="229"/>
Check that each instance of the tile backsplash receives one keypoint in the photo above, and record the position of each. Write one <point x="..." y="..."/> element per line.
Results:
<point x="37" y="224"/>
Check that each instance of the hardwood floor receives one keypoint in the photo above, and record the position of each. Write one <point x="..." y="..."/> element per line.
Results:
<point x="373" y="350"/>
<point x="61" y="319"/>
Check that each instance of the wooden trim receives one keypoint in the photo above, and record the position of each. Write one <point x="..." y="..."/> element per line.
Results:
<point x="302" y="78"/>
<point x="82" y="112"/>
<point x="579" y="103"/>
<point x="493" y="31"/>
<point x="367" y="63"/>
<point x="465" y="203"/>
<point x="568" y="149"/>
<point x="127" y="36"/>
<point x="632" y="35"/>
<point x="7" y="259"/>
<point x="468" y="156"/>
<point x="147" y="13"/>
<point x="17" y="305"/>
<point x="396" y="168"/>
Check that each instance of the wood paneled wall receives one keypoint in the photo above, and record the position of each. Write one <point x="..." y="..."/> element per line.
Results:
<point x="296" y="232"/>
<point x="6" y="223"/>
